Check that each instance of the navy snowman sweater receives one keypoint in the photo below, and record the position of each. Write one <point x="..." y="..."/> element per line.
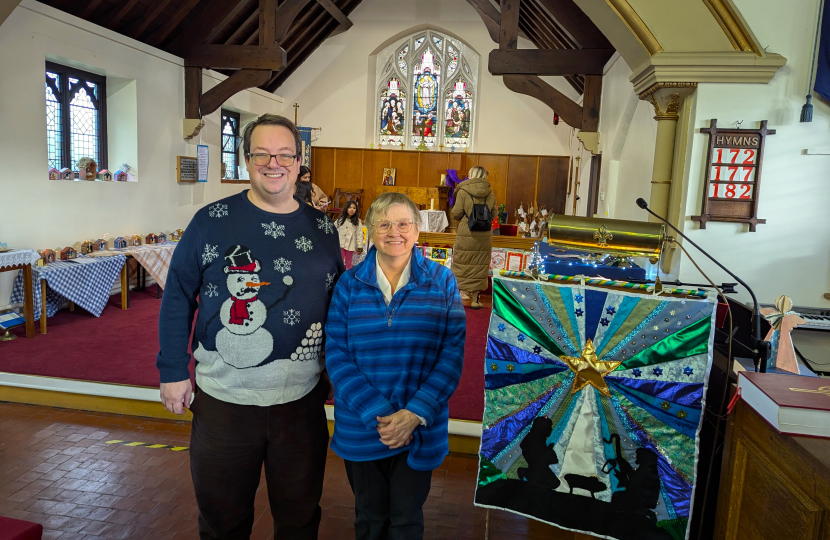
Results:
<point x="263" y="283"/>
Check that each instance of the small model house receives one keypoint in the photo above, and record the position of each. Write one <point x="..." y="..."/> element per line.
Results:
<point x="67" y="174"/>
<point x="162" y="238"/>
<point x="134" y="240"/>
<point x="120" y="176"/>
<point x="100" y="245"/>
<point x="151" y="239"/>
<point x="86" y="247"/>
<point x="119" y="243"/>
<point x="176" y="235"/>
<point x="87" y="169"/>
<point x="68" y="253"/>
<point x="54" y="174"/>
<point x="104" y="175"/>
<point x="48" y="256"/>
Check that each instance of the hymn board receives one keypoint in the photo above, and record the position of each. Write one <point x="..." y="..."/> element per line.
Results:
<point x="733" y="175"/>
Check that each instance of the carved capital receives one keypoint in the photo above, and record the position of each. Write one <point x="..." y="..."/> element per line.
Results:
<point x="666" y="98"/>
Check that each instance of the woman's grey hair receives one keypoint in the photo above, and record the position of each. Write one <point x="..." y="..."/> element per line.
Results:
<point x="477" y="172"/>
<point x="381" y="205"/>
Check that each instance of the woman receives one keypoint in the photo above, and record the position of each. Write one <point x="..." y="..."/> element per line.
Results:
<point x="394" y="352"/>
<point x="471" y="253"/>
<point x="319" y="200"/>
<point x="350" y="229"/>
<point x="303" y="192"/>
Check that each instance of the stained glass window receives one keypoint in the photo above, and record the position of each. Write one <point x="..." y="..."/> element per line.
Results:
<point x="75" y="117"/>
<point x="392" y="107"/>
<point x="426" y="77"/>
<point x="230" y="143"/>
<point x="452" y="60"/>
<point x="54" y="143"/>
<point x="440" y="72"/>
<point x="458" y="110"/>
<point x="402" y="58"/>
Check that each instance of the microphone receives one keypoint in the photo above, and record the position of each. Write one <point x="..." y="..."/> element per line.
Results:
<point x="762" y="348"/>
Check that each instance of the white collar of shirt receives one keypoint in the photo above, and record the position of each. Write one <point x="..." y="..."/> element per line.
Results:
<point x="385" y="286"/>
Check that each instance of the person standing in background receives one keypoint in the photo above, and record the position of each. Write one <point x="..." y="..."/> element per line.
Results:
<point x="350" y="229"/>
<point x="319" y="200"/>
<point x="471" y="253"/>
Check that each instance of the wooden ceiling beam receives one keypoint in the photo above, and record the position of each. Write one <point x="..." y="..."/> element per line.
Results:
<point x="509" y="25"/>
<point x="116" y="19"/>
<point x="139" y="29"/>
<point x="268" y="22"/>
<point x="90" y="9"/>
<point x="489" y="15"/>
<point x="239" y="81"/>
<point x="286" y="15"/>
<point x="591" y="99"/>
<point x="204" y="27"/>
<point x="547" y="26"/>
<point x="533" y="86"/>
<point x="261" y="57"/>
<point x="161" y="34"/>
<point x="577" y="24"/>
<point x="254" y="16"/>
<point x="305" y="43"/>
<point x="334" y="11"/>
<point x="548" y="62"/>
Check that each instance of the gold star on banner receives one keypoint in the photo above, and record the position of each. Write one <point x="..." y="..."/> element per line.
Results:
<point x="681" y="414"/>
<point x="665" y="405"/>
<point x="588" y="369"/>
<point x="494" y="366"/>
<point x="510" y="368"/>
<point x="672" y="312"/>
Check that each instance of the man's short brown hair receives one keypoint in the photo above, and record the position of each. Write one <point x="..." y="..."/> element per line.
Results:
<point x="271" y="120"/>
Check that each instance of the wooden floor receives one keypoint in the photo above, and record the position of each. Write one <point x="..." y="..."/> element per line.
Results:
<point x="57" y="469"/>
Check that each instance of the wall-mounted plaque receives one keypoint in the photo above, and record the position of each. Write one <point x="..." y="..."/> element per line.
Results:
<point x="733" y="175"/>
<point x="187" y="169"/>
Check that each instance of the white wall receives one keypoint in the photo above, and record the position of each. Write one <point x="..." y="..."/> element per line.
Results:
<point x="147" y="108"/>
<point x="789" y="254"/>
<point x="336" y="85"/>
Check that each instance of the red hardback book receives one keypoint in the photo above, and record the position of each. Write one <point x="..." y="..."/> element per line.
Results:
<point x="792" y="404"/>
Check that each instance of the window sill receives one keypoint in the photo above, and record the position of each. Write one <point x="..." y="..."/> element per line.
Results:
<point x="235" y="181"/>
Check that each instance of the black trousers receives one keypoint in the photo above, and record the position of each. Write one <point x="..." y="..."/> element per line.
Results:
<point x="230" y="443"/>
<point x="389" y="498"/>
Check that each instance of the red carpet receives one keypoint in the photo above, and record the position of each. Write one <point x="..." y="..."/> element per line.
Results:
<point x="121" y="346"/>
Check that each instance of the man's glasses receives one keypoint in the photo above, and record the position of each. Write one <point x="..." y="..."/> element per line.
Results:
<point x="283" y="160"/>
<point x="402" y="226"/>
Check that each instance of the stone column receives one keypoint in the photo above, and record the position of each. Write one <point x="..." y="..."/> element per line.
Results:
<point x="663" y="155"/>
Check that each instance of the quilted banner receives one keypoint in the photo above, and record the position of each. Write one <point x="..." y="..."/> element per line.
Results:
<point x="593" y="407"/>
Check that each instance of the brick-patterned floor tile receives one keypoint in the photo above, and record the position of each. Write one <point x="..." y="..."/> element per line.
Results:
<point x="57" y="470"/>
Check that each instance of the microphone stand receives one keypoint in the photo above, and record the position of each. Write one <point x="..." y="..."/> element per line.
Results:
<point x="762" y="348"/>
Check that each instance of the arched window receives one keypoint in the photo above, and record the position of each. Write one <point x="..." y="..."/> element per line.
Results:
<point x="426" y="92"/>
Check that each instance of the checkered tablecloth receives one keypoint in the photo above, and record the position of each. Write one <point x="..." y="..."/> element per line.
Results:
<point x="155" y="258"/>
<point x="86" y="281"/>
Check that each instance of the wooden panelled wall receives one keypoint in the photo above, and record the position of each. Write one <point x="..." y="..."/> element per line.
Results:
<point x="513" y="178"/>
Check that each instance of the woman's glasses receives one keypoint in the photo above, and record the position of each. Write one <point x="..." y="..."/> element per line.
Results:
<point x="283" y="160"/>
<point x="402" y="226"/>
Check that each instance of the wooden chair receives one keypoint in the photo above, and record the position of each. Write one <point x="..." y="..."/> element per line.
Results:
<point x="339" y="200"/>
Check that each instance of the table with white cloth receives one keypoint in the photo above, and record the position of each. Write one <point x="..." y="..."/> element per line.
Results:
<point x="23" y="259"/>
<point x="151" y="258"/>
<point x="84" y="281"/>
<point x="433" y="221"/>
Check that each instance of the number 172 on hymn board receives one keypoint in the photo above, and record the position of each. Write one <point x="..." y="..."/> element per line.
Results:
<point x="732" y="174"/>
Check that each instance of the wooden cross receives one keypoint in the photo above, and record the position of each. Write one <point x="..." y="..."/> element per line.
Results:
<point x="296" y="106"/>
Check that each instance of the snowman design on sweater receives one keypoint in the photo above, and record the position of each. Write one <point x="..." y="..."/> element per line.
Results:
<point x="243" y="342"/>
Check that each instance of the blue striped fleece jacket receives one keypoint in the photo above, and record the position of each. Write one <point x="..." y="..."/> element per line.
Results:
<point x="382" y="359"/>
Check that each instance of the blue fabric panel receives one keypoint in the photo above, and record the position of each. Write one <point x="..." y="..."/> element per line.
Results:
<point x="491" y="382"/>
<point x="495" y="439"/>
<point x="688" y="394"/>
<point x="499" y="350"/>
<point x="594" y="303"/>
<point x="626" y="307"/>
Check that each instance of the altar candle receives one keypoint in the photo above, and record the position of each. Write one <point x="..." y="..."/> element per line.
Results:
<point x="432" y="204"/>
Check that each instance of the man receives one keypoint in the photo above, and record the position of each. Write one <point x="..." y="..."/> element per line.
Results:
<point x="263" y="267"/>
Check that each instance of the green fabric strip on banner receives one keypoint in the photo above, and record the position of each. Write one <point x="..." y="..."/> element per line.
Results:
<point x="642" y="310"/>
<point x="675" y="527"/>
<point x="489" y="472"/>
<point x="509" y="309"/>
<point x="692" y="340"/>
